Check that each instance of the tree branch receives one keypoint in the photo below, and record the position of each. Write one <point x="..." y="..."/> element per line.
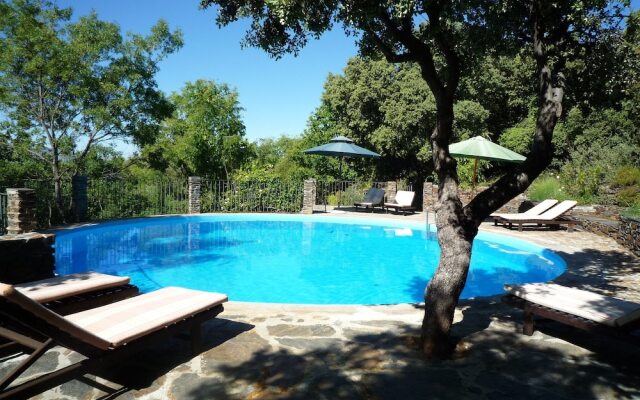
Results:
<point x="421" y="51"/>
<point x="550" y="96"/>
<point x="389" y="54"/>
<point x="434" y="10"/>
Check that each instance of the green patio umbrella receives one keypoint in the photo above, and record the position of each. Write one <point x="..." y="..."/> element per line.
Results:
<point x="341" y="146"/>
<point x="480" y="148"/>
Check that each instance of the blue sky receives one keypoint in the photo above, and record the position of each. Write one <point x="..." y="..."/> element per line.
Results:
<point x="277" y="96"/>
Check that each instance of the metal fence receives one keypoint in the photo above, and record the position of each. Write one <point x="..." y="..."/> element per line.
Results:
<point x="119" y="198"/>
<point x="272" y="196"/>
<point x="116" y="198"/>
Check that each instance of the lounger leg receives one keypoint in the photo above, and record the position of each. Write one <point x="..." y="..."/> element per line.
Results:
<point x="11" y="376"/>
<point x="519" y="227"/>
<point x="196" y="339"/>
<point x="529" y="324"/>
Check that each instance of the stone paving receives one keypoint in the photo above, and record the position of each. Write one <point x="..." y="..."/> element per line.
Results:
<point x="269" y="351"/>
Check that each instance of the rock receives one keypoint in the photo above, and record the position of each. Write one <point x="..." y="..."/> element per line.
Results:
<point x="300" y="330"/>
<point x="310" y="344"/>
<point x="191" y="386"/>
<point x="234" y="352"/>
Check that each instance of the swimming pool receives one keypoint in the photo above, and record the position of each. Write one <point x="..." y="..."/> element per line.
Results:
<point x="293" y="258"/>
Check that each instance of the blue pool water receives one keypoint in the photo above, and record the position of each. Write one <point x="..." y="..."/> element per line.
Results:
<point x="293" y="259"/>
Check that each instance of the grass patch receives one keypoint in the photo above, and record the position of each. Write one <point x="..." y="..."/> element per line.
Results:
<point x="547" y="187"/>
<point x="633" y="212"/>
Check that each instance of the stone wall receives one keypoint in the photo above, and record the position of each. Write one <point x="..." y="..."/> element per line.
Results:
<point x="430" y="195"/>
<point x="21" y="210"/>
<point x="195" y="186"/>
<point x="26" y="257"/>
<point x="629" y="234"/>
<point x="623" y="230"/>
<point x="309" y="196"/>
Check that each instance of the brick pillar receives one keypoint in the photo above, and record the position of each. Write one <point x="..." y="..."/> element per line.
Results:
<point x="195" y="183"/>
<point x="21" y="211"/>
<point x="309" y="199"/>
<point x="79" y="187"/>
<point x="429" y="196"/>
<point x="391" y="188"/>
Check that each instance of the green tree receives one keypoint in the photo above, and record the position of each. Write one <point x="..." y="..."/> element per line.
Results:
<point x="444" y="39"/>
<point x="205" y="134"/>
<point x="384" y="107"/>
<point x="76" y="85"/>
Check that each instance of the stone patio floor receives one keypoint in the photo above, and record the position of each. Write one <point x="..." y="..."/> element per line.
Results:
<point x="267" y="351"/>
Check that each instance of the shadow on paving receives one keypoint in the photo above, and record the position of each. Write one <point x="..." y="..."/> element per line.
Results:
<point x="146" y="370"/>
<point x="496" y="363"/>
<point x="600" y="271"/>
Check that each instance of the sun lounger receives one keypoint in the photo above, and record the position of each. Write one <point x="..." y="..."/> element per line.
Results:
<point x="373" y="198"/>
<point x="554" y="216"/>
<point x="403" y="202"/>
<point x="104" y="335"/>
<point x="533" y="211"/>
<point x="579" y="308"/>
<point x="76" y="292"/>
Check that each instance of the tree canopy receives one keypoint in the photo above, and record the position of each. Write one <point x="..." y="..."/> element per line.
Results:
<point x="205" y="134"/>
<point x="73" y="85"/>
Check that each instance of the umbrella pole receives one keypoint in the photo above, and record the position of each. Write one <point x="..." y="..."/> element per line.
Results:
<point x="475" y="174"/>
<point x="341" y="186"/>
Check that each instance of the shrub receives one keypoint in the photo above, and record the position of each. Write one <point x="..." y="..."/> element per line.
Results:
<point x="629" y="197"/>
<point x="626" y="176"/>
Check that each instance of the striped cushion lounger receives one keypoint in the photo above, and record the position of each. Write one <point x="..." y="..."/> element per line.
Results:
<point x="76" y="292"/>
<point x="105" y="335"/>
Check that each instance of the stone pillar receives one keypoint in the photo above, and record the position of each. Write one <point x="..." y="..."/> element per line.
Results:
<point x="79" y="187"/>
<point x="391" y="188"/>
<point x="195" y="183"/>
<point x="309" y="200"/>
<point x="21" y="211"/>
<point x="429" y="196"/>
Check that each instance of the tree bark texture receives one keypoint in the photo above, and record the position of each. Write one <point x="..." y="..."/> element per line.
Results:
<point x="457" y="225"/>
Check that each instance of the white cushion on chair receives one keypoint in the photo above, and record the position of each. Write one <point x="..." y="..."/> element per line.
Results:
<point x="592" y="306"/>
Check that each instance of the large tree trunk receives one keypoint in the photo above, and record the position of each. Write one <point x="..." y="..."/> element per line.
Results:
<point x="455" y="236"/>
<point x="458" y="225"/>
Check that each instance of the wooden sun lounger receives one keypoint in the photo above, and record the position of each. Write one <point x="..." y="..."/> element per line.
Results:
<point x="554" y="216"/>
<point x="76" y="292"/>
<point x="105" y="335"/>
<point x="373" y="198"/>
<point x="578" y="308"/>
<point x="532" y="212"/>
<point x="403" y="202"/>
